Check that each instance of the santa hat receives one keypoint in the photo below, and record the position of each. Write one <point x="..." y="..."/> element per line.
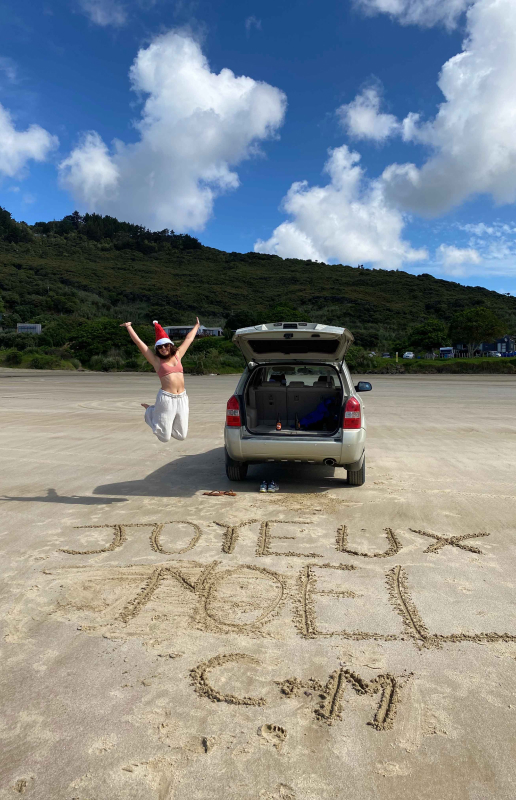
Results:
<point x="161" y="334"/>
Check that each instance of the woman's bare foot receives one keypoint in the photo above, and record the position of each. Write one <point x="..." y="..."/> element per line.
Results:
<point x="145" y="405"/>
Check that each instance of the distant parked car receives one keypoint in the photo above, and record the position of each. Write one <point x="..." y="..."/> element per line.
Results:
<point x="494" y="354"/>
<point x="386" y="355"/>
<point x="408" y="354"/>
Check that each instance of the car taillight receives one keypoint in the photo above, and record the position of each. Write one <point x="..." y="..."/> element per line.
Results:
<point x="233" y="413"/>
<point x="352" y="415"/>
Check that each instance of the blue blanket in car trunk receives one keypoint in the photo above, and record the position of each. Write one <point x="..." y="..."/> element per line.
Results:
<point x="322" y="412"/>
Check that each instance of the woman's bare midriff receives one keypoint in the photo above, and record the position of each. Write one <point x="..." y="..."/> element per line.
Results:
<point x="173" y="383"/>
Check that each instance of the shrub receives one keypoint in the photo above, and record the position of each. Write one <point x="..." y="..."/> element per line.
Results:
<point x="100" y="336"/>
<point x="106" y="363"/>
<point x="112" y="364"/>
<point x="359" y="360"/>
<point x="20" y="341"/>
<point x="143" y="364"/>
<point x="59" y="352"/>
<point x="97" y="337"/>
<point x="96" y="363"/>
<point x="13" y="358"/>
<point x="45" y="362"/>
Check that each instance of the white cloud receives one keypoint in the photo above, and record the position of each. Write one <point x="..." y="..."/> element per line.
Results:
<point x="17" y="148"/>
<point x="472" y="140"/>
<point x="473" y="134"/>
<point x="348" y="219"/>
<point x="104" y="12"/>
<point x="496" y="245"/>
<point x="418" y="12"/>
<point x="195" y="126"/>
<point x="8" y="67"/>
<point x="363" y="120"/>
<point x="454" y="259"/>
<point x="253" y="22"/>
<point x="89" y="171"/>
<point x="490" y="250"/>
<point x="480" y="229"/>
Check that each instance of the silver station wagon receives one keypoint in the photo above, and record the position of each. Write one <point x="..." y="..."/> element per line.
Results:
<point x="295" y="401"/>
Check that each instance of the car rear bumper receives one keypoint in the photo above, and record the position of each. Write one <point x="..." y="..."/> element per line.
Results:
<point x="346" y="448"/>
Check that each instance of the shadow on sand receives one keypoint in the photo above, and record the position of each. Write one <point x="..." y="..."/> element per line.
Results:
<point x="187" y="475"/>
<point x="53" y="497"/>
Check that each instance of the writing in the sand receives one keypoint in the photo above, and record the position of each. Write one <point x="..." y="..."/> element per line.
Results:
<point x="324" y="697"/>
<point x="251" y="599"/>
<point x="268" y="536"/>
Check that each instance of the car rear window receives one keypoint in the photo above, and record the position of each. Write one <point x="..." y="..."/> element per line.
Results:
<point x="294" y="346"/>
<point x="307" y="375"/>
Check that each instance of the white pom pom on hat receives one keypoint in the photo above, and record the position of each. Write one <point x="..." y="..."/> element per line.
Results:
<point x="154" y="321"/>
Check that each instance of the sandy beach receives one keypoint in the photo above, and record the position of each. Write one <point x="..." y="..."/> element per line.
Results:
<point x="324" y="642"/>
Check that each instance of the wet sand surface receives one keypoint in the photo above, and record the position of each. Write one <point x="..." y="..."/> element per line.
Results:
<point x="324" y="642"/>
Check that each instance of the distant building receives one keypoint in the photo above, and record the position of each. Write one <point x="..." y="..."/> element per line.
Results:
<point x="180" y="331"/>
<point x="506" y="344"/>
<point x="28" y="327"/>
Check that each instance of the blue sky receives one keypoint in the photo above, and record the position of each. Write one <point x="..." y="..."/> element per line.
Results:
<point x="305" y="129"/>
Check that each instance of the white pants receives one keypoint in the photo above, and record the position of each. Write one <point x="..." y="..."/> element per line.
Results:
<point x="168" y="417"/>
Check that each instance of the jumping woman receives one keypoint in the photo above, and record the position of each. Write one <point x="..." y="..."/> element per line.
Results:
<point x="168" y="417"/>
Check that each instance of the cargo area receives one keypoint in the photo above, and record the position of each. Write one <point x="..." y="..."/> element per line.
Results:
<point x="303" y="399"/>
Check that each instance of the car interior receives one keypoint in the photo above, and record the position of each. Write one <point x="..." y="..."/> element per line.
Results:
<point x="303" y="398"/>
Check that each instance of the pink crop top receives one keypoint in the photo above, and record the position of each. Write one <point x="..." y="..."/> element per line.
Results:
<point x="168" y="369"/>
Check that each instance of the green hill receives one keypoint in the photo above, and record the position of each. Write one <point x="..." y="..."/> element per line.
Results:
<point x="70" y="273"/>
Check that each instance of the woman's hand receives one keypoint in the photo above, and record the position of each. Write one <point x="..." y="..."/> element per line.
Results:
<point x="126" y="324"/>
<point x="197" y="323"/>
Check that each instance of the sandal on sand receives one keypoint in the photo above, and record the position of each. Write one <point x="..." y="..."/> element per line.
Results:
<point x="219" y="494"/>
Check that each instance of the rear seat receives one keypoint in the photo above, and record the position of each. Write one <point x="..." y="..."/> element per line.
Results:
<point x="302" y="400"/>
<point x="271" y="400"/>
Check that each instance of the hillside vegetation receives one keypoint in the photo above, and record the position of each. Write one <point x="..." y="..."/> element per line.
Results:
<point x="81" y="275"/>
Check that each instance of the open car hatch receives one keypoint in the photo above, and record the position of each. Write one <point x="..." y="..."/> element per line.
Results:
<point x="297" y="341"/>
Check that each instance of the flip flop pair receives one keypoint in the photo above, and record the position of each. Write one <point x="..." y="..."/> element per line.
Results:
<point x="219" y="494"/>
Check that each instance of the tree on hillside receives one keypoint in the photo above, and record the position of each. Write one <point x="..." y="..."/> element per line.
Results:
<point x="99" y="336"/>
<point x="124" y="235"/>
<point x="429" y="335"/>
<point x="240" y="319"/>
<point x="366" y="339"/>
<point x="474" y="326"/>
<point x="12" y="231"/>
<point x="285" y="312"/>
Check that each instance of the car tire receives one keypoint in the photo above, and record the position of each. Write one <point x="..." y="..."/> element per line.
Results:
<point x="357" y="477"/>
<point x="235" y="470"/>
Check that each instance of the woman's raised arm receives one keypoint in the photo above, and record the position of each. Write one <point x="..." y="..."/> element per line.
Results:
<point x="181" y="350"/>
<point x="142" y="347"/>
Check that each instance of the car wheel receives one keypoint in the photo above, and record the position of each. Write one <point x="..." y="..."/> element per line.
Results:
<point x="235" y="470"/>
<point x="357" y="477"/>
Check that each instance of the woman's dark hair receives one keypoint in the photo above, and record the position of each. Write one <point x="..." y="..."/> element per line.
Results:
<point x="171" y="351"/>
